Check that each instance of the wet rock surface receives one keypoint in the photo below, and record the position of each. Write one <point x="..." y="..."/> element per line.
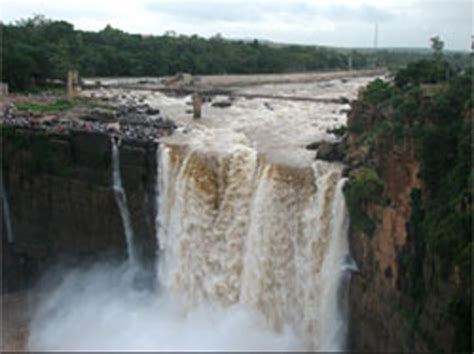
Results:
<point x="221" y="104"/>
<point x="133" y="121"/>
<point x="62" y="201"/>
<point x="313" y="146"/>
<point x="17" y="311"/>
<point x="329" y="151"/>
<point x="58" y="173"/>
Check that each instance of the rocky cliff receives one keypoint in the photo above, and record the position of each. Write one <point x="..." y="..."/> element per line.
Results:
<point x="413" y="288"/>
<point x="61" y="201"/>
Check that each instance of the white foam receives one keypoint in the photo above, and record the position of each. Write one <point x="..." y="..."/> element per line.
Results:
<point x="99" y="309"/>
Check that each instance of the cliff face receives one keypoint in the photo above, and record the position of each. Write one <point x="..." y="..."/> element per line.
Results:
<point x="402" y="297"/>
<point x="59" y="189"/>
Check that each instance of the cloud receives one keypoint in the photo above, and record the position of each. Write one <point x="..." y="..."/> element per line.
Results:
<point x="53" y="9"/>
<point x="263" y="11"/>
<point x="362" y="13"/>
<point x="209" y="11"/>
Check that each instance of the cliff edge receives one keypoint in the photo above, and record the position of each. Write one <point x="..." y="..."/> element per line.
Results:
<point x="409" y="195"/>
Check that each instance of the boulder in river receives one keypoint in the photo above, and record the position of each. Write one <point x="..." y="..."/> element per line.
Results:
<point x="152" y="111"/>
<point x="313" y="146"/>
<point x="222" y="104"/>
<point x="98" y="115"/>
<point x="331" y="151"/>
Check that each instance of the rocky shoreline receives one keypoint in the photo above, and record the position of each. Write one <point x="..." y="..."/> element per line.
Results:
<point x="132" y="122"/>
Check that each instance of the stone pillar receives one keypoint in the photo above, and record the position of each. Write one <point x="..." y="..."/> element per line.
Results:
<point x="3" y="89"/>
<point x="197" y="104"/>
<point x="72" y="83"/>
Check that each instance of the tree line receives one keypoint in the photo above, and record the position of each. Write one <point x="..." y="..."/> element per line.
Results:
<point x="36" y="50"/>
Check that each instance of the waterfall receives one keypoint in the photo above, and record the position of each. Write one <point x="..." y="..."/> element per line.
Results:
<point x="121" y="199"/>
<point x="157" y="192"/>
<point x="6" y="213"/>
<point x="237" y="229"/>
<point x="336" y="275"/>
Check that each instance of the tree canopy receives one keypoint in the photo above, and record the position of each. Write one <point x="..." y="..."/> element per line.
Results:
<point x="37" y="49"/>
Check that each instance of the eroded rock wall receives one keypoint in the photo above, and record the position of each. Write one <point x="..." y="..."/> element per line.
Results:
<point x="62" y="202"/>
<point x="401" y="299"/>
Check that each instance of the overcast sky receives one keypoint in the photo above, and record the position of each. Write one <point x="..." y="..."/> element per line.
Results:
<point x="401" y="23"/>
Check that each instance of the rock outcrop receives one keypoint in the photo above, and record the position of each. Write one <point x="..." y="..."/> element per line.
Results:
<point x="389" y="311"/>
<point x="328" y="151"/>
<point x="62" y="202"/>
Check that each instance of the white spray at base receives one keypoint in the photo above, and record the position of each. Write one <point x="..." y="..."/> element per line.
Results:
<point x="97" y="308"/>
<point x="121" y="199"/>
<point x="6" y="213"/>
<point x="252" y="256"/>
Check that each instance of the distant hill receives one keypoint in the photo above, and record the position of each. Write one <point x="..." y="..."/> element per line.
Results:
<point x="418" y="50"/>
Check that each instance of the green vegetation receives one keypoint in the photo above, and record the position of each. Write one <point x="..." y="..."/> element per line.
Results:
<point x="42" y="159"/>
<point x="54" y="107"/>
<point x="441" y="125"/>
<point x="424" y="71"/>
<point x="431" y="103"/>
<point x="37" y="51"/>
<point x="378" y="91"/>
<point x="61" y="105"/>
<point x="92" y="103"/>
<point x="339" y="132"/>
<point x="445" y="152"/>
<point x="438" y="69"/>
<point x="363" y="188"/>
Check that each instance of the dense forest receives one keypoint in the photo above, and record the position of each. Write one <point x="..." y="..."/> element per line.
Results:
<point x="37" y="49"/>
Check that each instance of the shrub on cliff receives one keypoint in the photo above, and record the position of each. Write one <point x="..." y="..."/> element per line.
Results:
<point x="424" y="71"/>
<point x="446" y="228"/>
<point x="363" y="188"/>
<point x="378" y="91"/>
<point x="427" y="71"/>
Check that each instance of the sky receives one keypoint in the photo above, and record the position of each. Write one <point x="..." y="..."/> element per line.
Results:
<point x="341" y="23"/>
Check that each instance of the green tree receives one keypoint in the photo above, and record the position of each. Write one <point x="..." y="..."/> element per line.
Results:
<point x="37" y="49"/>
<point x="437" y="45"/>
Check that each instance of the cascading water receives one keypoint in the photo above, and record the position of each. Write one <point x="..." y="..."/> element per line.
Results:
<point x="251" y="234"/>
<point x="121" y="199"/>
<point x="6" y="213"/>
<point x="335" y="274"/>
<point x="237" y="229"/>
<point x="158" y="192"/>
